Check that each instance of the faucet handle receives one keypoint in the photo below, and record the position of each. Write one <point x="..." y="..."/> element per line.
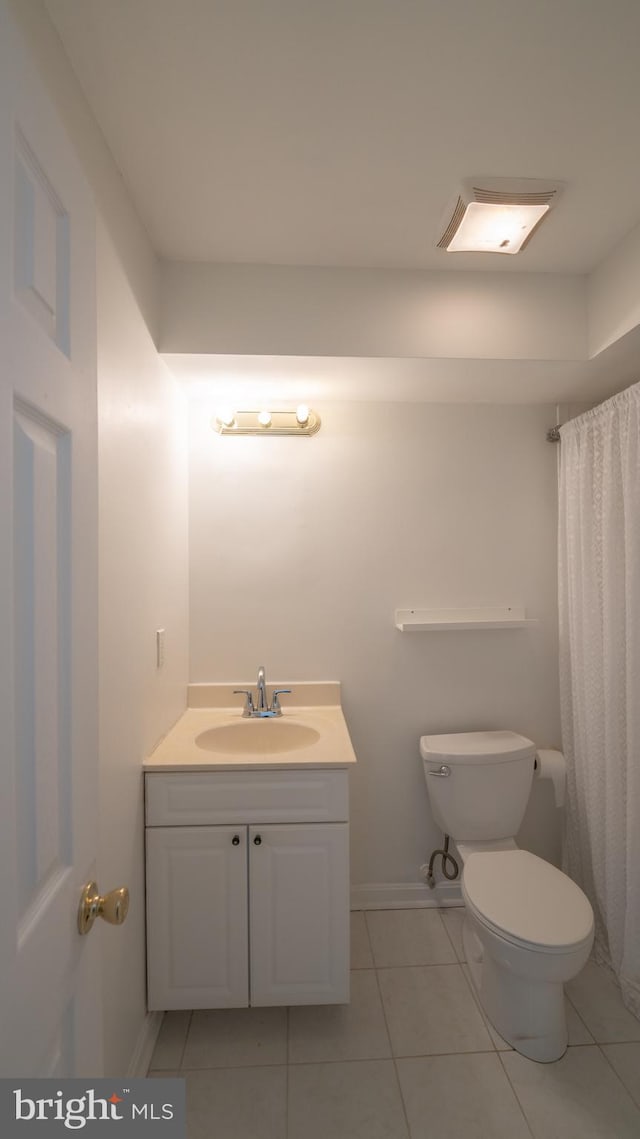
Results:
<point x="248" y="707"/>
<point x="275" y="703"/>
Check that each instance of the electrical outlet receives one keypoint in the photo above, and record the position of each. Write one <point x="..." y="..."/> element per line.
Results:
<point x="159" y="648"/>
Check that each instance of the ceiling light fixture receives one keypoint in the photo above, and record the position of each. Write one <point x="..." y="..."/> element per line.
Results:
<point x="302" y="421"/>
<point x="498" y="215"/>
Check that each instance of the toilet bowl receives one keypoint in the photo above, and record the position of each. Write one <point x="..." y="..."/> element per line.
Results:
<point x="528" y="928"/>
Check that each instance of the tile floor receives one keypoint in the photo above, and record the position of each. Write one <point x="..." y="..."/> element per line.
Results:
<point x="410" y="1058"/>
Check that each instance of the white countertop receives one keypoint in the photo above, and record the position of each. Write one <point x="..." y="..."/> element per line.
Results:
<point x="180" y="750"/>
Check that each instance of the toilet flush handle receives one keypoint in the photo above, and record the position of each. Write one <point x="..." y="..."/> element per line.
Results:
<point x="442" y="771"/>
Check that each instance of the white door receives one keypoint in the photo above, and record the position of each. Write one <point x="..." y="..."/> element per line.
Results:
<point x="299" y="914"/>
<point x="197" y="952"/>
<point x="49" y="975"/>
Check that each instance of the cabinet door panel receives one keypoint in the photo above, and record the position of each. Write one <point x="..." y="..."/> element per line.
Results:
<point x="197" y="917"/>
<point x="299" y="914"/>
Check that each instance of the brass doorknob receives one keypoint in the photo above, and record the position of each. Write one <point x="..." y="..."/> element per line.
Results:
<point x="112" y="907"/>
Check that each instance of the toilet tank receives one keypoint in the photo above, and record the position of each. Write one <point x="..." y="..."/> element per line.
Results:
<point x="478" y="782"/>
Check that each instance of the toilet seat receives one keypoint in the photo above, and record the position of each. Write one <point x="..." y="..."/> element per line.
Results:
<point x="527" y="901"/>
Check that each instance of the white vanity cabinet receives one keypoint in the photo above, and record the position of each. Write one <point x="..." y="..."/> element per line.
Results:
<point x="247" y="888"/>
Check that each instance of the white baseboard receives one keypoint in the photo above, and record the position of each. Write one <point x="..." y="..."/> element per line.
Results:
<point x="143" y="1051"/>
<point x="404" y="895"/>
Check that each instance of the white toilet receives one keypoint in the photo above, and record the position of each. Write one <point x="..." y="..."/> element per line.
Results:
<point x="528" y="928"/>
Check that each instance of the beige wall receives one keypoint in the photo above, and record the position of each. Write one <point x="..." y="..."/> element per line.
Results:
<point x="143" y="587"/>
<point x="300" y="550"/>
<point x="313" y="311"/>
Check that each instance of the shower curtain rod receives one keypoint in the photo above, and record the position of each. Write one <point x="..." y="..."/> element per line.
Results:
<point x="553" y="434"/>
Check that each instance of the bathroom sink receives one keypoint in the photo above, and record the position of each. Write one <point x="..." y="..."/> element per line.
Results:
<point x="247" y="737"/>
<point x="212" y="734"/>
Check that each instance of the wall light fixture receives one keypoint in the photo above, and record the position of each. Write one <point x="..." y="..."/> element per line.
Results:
<point x="302" y="421"/>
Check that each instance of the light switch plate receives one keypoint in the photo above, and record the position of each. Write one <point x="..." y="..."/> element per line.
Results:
<point x="159" y="648"/>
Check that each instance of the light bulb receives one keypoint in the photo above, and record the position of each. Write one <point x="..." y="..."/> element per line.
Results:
<point x="264" y="418"/>
<point x="302" y="414"/>
<point x="225" y="417"/>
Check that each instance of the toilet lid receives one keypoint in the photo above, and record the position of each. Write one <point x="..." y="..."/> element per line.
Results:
<point x="526" y="899"/>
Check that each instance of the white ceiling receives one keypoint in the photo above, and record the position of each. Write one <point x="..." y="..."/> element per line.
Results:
<point x="334" y="132"/>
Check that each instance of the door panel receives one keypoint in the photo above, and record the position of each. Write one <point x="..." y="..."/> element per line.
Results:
<point x="197" y="917"/>
<point x="41" y="508"/>
<point x="50" y="1004"/>
<point x="299" y="914"/>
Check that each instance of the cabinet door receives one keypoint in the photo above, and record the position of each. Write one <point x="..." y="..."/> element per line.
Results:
<point x="299" y="914"/>
<point x="197" y="917"/>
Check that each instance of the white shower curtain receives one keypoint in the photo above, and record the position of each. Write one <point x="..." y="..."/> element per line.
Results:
<point x="599" y="595"/>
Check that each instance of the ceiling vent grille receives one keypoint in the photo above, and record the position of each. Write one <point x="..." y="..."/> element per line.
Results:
<point x="505" y="198"/>
<point x="457" y="216"/>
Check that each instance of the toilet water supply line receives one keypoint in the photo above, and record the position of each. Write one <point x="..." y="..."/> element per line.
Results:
<point x="443" y="852"/>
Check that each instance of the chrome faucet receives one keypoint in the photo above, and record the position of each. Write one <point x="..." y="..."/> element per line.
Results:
<point x="262" y="690"/>
<point x="261" y="708"/>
